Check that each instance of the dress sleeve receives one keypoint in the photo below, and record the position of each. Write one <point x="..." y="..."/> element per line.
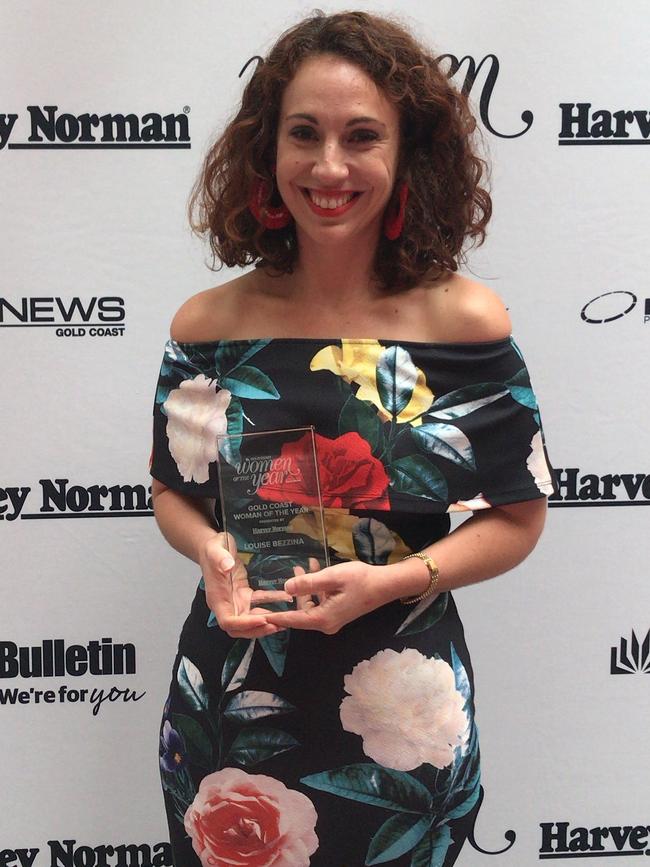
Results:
<point x="189" y="412"/>
<point x="492" y="430"/>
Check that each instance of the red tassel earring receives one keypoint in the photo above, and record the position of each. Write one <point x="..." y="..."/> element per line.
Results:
<point x="270" y="218"/>
<point x="394" y="217"/>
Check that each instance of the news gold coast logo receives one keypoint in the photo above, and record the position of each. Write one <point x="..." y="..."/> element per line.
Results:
<point x="580" y="125"/>
<point x="47" y="127"/>
<point x="559" y="840"/>
<point x="57" y="498"/>
<point x="54" y="658"/>
<point x="71" y="316"/>
<point x="632" y="657"/>
<point x="70" y="853"/>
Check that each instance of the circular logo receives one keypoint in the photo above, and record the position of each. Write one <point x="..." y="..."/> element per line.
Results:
<point x="608" y="306"/>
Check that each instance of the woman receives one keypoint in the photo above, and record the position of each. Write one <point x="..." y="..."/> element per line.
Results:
<point x="332" y="723"/>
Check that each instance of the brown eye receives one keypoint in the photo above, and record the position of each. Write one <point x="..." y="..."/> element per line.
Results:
<point x="302" y="133"/>
<point x="364" y="135"/>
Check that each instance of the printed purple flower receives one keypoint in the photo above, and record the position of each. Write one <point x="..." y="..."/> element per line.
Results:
<point x="174" y="755"/>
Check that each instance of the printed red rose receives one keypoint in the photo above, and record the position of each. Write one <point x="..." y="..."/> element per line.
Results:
<point x="254" y="820"/>
<point x="350" y="475"/>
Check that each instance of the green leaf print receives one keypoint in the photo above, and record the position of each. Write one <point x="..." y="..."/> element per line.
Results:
<point x="229" y="448"/>
<point x="199" y="749"/>
<point x="463" y="401"/>
<point x="447" y="441"/>
<point x="191" y="683"/>
<point x="360" y="417"/>
<point x="255" y="745"/>
<point x="250" y="382"/>
<point x="397" y="835"/>
<point x="235" y="668"/>
<point x="424" y="615"/>
<point x="417" y="476"/>
<point x="229" y="355"/>
<point x="252" y="705"/>
<point x="475" y="790"/>
<point x="396" y="378"/>
<point x="460" y="675"/>
<point x="374" y="784"/>
<point x="520" y="390"/>
<point x="275" y="647"/>
<point x="432" y="848"/>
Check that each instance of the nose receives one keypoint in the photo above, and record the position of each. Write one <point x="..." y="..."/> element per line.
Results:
<point x="330" y="166"/>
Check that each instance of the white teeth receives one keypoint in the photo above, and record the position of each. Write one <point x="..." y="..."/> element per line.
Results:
<point x="330" y="203"/>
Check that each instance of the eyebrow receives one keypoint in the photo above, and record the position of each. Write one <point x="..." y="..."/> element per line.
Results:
<point x="355" y="120"/>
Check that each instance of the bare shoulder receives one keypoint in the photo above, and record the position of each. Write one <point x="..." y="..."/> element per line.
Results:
<point x="208" y="315"/>
<point x="467" y="311"/>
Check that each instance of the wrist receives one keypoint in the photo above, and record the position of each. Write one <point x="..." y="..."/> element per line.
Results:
<point x="405" y="578"/>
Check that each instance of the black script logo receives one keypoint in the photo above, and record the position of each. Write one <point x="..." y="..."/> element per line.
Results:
<point x="70" y="853"/>
<point x="99" y="316"/>
<point x="633" y="658"/>
<point x="610" y="489"/>
<point x="471" y="72"/>
<point x="48" y="127"/>
<point x="561" y="841"/>
<point x="60" y="499"/>
<point x="610" y="306"/>
<point x="581" y="126"/>
<point x="277" y="472"/>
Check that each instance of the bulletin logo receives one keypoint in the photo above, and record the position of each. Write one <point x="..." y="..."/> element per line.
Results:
<point x="631" y="657"/>
<point x="560" y="840"/>
<point x="44" y="127"/>
<point x="582" y="124"/>
<point x="68" y="316"/>
<point x="54" y="658"/>
<point x="614" y="305"/>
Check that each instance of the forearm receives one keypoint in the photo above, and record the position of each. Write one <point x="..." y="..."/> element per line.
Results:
<point x="184" y="522"/>
<point x="487" y="544"/>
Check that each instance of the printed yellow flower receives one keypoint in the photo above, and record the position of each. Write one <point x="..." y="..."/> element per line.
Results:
<point x="357" y="360"/>
<point x="340" y="527"/>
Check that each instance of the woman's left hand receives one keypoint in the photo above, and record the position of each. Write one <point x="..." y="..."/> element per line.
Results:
<point x="345" y="591"/>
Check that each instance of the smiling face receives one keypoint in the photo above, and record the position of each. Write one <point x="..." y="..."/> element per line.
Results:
<point x="337" y="150"/>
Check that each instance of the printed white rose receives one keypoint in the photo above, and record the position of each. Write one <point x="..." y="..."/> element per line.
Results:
<point x="406" y="708"/>
<point x="196" y="414"/>
<point x="537" y="466"/>
<point x="477" y="502"/>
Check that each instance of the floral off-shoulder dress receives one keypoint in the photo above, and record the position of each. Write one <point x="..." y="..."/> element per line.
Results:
<point x="357" y="748"/>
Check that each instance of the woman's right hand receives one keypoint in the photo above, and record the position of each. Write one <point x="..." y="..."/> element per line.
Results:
<point x="228" y="594"/>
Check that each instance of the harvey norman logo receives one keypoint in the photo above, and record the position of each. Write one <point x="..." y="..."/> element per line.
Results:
<point x="560" y="840"/>
<point x="46" y="126"/>
<point x="589" y="489"/>
<point x="582" y="125"/>
<point x="57" y="498"/>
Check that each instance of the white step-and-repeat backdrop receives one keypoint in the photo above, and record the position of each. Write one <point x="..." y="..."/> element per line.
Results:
<point x="96" y="257"/>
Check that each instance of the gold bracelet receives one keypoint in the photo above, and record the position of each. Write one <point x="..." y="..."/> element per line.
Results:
<point x="433" y="579"/>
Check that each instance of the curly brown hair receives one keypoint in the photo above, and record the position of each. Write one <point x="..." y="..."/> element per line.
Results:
<point x="438" y="157"/>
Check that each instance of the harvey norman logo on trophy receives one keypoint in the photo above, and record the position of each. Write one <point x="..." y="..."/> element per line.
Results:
<point x="48" y="126"/>
<point x="560" y="840"/>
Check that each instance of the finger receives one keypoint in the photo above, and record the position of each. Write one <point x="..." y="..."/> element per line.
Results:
<point x="259" y="597"/>
<point x="299" y="619"/>
<point x="304" y="603"/>
<point x="312" y="584"/>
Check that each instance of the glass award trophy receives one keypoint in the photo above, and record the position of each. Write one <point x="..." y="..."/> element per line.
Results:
<point x="271" y="505"/>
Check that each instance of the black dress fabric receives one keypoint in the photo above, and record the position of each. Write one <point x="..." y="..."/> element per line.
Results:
<point x="361" y="747"/>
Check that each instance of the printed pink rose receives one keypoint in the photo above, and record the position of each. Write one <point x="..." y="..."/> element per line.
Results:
<point x="250" y="820"/>
<point x="196" y="415"/>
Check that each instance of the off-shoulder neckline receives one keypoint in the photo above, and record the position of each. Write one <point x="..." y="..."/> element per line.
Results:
<point x="501" y="341"/>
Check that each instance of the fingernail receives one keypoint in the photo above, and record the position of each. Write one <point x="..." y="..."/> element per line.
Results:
<point x="227" y="562"/>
